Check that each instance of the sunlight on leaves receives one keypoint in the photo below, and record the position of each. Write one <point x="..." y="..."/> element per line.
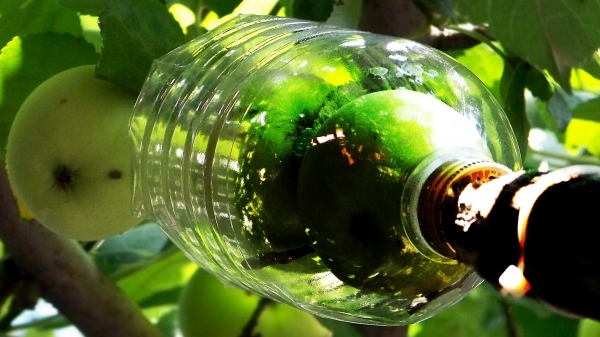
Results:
<point x="26" y="62"/>
<point x="583" y="133"/>
<point x="129" y="31"/>
<point x="18" y="17"/>
<point x="167" y="274"/>
<point x="582" y="80"/>
<point x="548" y="33"/>
<point x="263" y="7"/>
<point x="484" y="63"/>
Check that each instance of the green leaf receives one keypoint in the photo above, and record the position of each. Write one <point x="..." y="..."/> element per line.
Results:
<point x="583" y="132"/>
<point x="559" y="110"/>
<point x="222" y="7"/>
<point x="345" y="14"/>
<point x="89" y="7"/>
<point x="589" y="110"/>
<point x="512" y="93"/>
<point x="583" y="81"/>
<point x="164" y="275"/>
<point x="483" y="62"/>
<point x="479" y="314"/>
<point x="168" y="323"/>
<point x="164" y="297"/>
<point x="134" y="33"/>
<point x="21" y="17"/>
<point x="475" y="12"/>
<point x="539" y="85"/>
<point x="555" y="35"/>
<point x="534" y="319"/>
<point x="140" y="243"/>
<point x="443" y="7"/>
<point x="314" y="10"/>
<point x="288" y="5"/>
<point x="592" y="66"/>
<point x="28" y="61"/>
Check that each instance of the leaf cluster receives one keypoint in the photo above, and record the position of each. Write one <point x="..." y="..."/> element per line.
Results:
<point x="540" y="59"/>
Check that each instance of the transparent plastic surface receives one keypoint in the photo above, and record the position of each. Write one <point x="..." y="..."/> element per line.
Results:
<point x="222" y="129"/>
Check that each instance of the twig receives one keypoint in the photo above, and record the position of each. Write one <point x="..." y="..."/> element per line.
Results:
<point x="478" y="36"/>
<point x="511" y="325"/>
<point x="446" y="40"/>
<point x="68" y="277"/>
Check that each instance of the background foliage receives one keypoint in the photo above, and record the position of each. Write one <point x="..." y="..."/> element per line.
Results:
<point x="539" y="59"/>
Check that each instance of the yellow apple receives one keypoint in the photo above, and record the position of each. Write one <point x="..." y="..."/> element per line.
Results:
<point x="68" y="155"/>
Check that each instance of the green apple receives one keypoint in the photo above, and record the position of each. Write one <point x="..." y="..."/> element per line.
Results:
<point x="351" y="181"/>
<point x="207" y="308"/>
<point x="284" y="112"/>
<point x="68" y="155"/>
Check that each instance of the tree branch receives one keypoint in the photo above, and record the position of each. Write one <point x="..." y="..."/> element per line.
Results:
<point x="392" y="17"/>
<point x="67" y="276"/>
<point x="403" y="18"/>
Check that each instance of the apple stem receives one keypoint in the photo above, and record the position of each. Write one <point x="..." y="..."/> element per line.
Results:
<point x="67" y="276"/>
<point x="253" y="321"/>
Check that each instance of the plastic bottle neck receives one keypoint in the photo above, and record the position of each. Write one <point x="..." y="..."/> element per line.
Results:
<point x="430" y="201"/>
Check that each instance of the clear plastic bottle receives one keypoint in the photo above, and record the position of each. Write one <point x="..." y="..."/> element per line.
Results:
<point x="313" y="165"/>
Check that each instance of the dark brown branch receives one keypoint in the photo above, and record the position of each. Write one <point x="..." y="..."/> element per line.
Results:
<point x="448" y="40"/>
<point x="392" y="17"/>
<point x="68" y="277"/>
<point x="402" y="18"/>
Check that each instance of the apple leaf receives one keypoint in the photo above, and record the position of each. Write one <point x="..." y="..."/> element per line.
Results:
<point x="512" y="94"/>
<point x="135" y="33"/>
<point x="483" y="62"/>
<point x="345" y="14"/>
<point x="164" y="297"/>
<point x="142" y="242"/>
<point x="554" y="35"/>
<point x="18" y="18"/>
<point x="222" y="7"/>
<point x="89" y="7"/>
<point x="443" y="7"/>
<point x="168" y="323"/>
<point x="539" y="85"/>
<point x="27" y="61"/>
<point x="559" y="110"/>
<point x="475" y="12"/>
<point x="166" y="274"/>
<point x="534" y="319"/>
<point x="479" y="314"/>
<point x="582" y="80"/>
<point x="584" y="129"/>
<point x="592" y="66"/>
<point x="289" y="5"/>
<point x="314" y="10"/>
